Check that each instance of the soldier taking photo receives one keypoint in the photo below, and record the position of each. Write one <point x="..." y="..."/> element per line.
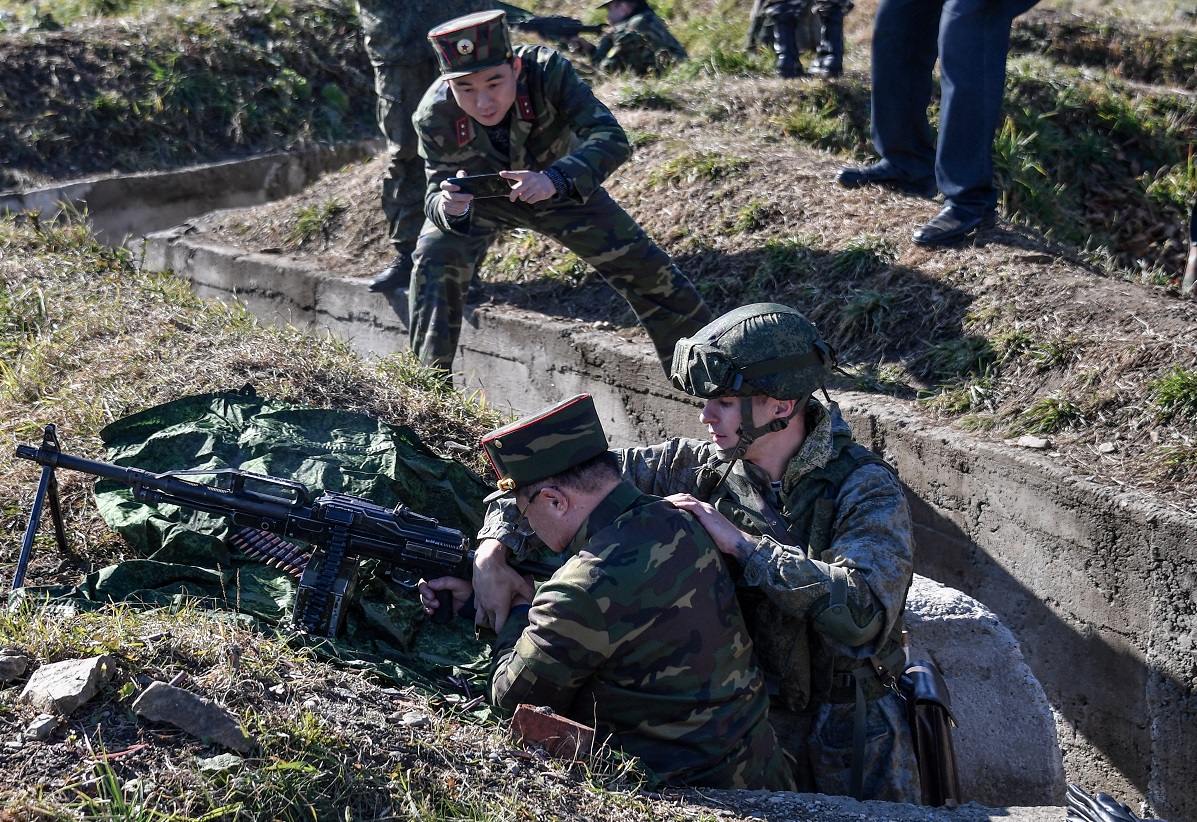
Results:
<point x="523" y="116"/>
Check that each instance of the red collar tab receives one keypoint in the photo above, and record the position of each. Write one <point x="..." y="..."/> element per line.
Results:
<point x="465" y="131"/>
<point x="524" y="101"/>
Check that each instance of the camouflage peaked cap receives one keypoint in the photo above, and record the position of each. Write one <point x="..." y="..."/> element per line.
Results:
<point x="544" y="444"/>
<point x="763" y="348"/>
<point x="471" y="43"/>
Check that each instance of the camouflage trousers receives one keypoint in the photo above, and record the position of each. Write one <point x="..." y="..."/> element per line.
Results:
<point x="820" y="742"/>
<point x="598" y="231"/>
<point x="797" y="8"/>
<point x="399" y="87"/>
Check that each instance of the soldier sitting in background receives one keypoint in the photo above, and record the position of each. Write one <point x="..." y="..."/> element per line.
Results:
<point x="524" y="114"/>
<point x="638" y="41"/>
<point x="638" y="632"/>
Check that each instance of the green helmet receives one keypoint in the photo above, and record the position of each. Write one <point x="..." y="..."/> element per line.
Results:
<point x="764" y="348"/>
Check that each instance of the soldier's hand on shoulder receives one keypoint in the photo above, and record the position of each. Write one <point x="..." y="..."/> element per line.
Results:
<point x="727" y="537"/>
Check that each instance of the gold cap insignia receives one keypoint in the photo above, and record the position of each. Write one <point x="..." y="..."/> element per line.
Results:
<point x="465" y="46"/>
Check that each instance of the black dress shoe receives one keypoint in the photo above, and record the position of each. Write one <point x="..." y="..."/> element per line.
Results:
<point x="395" y="275"/>
<point x="882" y="175"/>
<point x="951" y="226"/>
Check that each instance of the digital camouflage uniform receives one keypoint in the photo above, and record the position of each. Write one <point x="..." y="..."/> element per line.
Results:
<point x="641" y="44"/>
<point x="555" y="122"/>
<point x="639" y="634"/>
<point x="863" y="529"/>
<point x="396" y="40"/>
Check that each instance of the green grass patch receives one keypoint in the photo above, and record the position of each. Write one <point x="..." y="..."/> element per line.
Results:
<point x="641" y="94"/>
<point x="971" y="396"/>
<point x="861" y="257"/>
<point x="698" y="166"/>
<point x="314" y="221"/>
<point x="754" y="216"/>
<point x="954" y="358"/>
<point x="1175" y="394"/>
<point x="204" y="83"/>
<point x="1048" y="415"/>
<point x="866" y="312"/>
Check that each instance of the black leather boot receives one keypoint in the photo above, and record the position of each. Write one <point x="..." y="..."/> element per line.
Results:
<point x="785" y="43"/>
<point x="829" y="61"/>
<point x="397" y="274"/>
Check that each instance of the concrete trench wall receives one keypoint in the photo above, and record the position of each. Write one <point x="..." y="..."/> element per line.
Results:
<point x="1096" y="585"/>
<point x="133" y="205"/>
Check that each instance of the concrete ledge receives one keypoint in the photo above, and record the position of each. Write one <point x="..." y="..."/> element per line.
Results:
<point x="132" y="205"/>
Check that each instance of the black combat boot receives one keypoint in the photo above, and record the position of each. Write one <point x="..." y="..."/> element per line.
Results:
<point x="398" y="273"/>
<point x="785" y="43"/>
<point x="829" y="61"/>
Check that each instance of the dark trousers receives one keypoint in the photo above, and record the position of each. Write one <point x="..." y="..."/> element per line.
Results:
<point x="970" y="38"/>
<point x="399" y="87"/>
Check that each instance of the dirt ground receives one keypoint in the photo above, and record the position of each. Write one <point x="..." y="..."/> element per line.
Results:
<point x="1093" y="341"/>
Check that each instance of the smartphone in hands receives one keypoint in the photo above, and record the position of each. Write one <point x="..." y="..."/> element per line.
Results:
<point x="483" y="186"/>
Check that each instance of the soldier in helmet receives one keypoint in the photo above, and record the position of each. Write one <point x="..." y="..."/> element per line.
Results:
<point x="524" y="114"/>
<point x="638" y="40"/>
<point x="638" y="632"/>
<point x="818" y="528"/>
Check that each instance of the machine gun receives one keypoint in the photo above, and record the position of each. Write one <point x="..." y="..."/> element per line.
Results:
<point x="340" y="529"/>
<point x="554" y="27"/>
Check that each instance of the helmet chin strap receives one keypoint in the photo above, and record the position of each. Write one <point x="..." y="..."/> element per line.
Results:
<point x="749" y="431"/>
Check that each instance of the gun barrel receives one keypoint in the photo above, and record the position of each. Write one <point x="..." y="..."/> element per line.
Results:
<point x="257" y="510"/>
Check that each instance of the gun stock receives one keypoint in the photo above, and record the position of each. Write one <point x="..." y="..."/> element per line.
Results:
<point x="555" y="27"/>
<point x="341" y="529"/>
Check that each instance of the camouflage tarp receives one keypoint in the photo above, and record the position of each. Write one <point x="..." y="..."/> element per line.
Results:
<point x="184" y="555"/>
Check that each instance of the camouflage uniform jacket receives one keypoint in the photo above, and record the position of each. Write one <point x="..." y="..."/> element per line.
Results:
<point x="870" y="535"/>
<point x="555" y="121"/>
<point x="640" y="44"/>
<point x="639" y="634"/>
<point x="397" y="32"/>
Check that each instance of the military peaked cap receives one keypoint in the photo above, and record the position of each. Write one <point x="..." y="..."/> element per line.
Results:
<point x="544" y="444"/>
<point x="471" y="43"/>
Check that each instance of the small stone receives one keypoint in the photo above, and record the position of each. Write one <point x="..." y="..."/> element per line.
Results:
<point x="11" y="667"/>
<point x="1107" y="448"/>
<point x="278" y="690"/>
<point x="42" y="728"/>
<point x="311" y="704"/>
<point x="220" y="763"/>
<point x="415" y="719"/>
<point x="1037" y="443"/>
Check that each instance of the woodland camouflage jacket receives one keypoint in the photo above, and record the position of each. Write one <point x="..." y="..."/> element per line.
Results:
<point x="639" y="634"/>
<point x="555" y="121"/>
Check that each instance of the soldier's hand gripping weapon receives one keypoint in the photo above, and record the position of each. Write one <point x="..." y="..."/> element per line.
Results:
<point x="339" y="529"/>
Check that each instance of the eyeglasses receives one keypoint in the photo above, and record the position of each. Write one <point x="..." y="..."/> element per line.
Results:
<point x="521" y="522"/>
